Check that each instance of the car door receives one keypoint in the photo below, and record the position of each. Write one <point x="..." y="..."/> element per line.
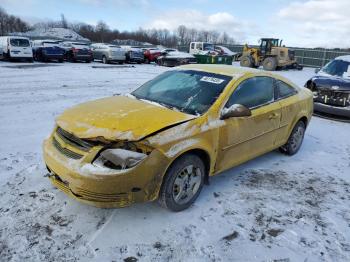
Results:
<point x="243" y="138"/>
<point x="287" y="97"/>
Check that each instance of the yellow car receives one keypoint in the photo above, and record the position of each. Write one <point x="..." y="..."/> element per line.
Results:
<point x="164" y="140"/>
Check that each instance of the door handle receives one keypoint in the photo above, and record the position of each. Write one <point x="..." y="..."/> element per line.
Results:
<point x="273" y="116"/>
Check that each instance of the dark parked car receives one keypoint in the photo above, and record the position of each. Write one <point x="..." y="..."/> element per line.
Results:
<point x="75" y="51"/>
<point x="172" y="57"/>
<point x="331" y="87"/>
<point x="47" y="50"/>
<point x="134" y="54"/>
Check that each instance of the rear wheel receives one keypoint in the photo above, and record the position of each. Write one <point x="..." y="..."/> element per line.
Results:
<point x="295" y="139"/>
<point x="182" y="183"/>
<point x="270" y="63"/>
<point x="246" y="61"/>
<point x="104" y="60"/>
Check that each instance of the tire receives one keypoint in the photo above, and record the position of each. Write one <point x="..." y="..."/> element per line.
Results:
<point x="121" y="62"/>
<point x="270" y="63"/>
<point x="104" y="60"/>
<point x="295" y="140"/>
<point x="182" y="183"/>
<point x="60" y="60"/>
<point x="246" y="61"/>
<point x="71" y="58"/>
<point x="147" y="61"/>
<point x="30" y="60"/>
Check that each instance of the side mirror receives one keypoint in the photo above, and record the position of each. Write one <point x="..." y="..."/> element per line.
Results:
<point x="235" y="110"/>
<point x="317" y="70"/>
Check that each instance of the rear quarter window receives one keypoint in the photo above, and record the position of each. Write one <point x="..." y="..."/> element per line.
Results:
<point x="284" y="90"/>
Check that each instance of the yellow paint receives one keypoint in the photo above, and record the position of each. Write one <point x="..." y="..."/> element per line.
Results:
<point x="117" y="120"/>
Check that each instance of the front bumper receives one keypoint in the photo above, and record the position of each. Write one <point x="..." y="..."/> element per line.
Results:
<point x="136" y="59"/>
<point x="53" y="56"/>
<point x="138" y="184"/>
<point x="116" y="58"/>
<point x="83" y="57"/>
<point x="334" y="110"/>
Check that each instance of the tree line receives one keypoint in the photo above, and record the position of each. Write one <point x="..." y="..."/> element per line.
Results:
<point x="103" y="33"/>
<point x="11" y="23"/>
<point x="181" y="36"/>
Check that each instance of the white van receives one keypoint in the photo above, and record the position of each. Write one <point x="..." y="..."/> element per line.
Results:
<point x="201" y="47"/>
<point x="16" y="47"/>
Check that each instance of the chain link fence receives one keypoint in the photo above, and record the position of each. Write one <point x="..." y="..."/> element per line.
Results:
<point x="305" y="56"/>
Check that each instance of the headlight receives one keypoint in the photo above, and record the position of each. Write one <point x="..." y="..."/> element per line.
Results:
<point x="118" y="158"/>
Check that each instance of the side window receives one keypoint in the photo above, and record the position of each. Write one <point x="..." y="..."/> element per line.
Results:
<point x="253" y="92"/>
<point x="284" y="90"/>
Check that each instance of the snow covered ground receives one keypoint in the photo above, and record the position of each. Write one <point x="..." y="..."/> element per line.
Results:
<point x="273" y="208"/>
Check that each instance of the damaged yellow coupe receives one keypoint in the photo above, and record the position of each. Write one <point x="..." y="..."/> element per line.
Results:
<point x="164" y="140"/>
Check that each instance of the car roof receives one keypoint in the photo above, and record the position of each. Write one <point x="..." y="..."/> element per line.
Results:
<point x="230" y="70"/>
<point x="344" y="58"/>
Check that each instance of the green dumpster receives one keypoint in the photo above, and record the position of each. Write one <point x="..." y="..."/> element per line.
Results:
<point x="209" y="59"/>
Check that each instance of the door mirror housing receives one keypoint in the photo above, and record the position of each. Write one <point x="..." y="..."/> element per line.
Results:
<point x="235" y="110"/>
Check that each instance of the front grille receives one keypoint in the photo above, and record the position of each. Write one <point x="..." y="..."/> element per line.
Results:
<point x="102" y="197"/>
<point x="73" y="140"/>
<point x="65" y="151"/>
<point x="334" y="98"/>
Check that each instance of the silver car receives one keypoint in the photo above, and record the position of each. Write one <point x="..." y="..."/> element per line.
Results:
<point x="108" y="53"/>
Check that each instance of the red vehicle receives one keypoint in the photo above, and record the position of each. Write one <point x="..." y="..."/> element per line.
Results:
<point x="151" y="54"/>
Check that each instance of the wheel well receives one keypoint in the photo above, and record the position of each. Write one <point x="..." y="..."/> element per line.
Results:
<point x="304" y="120"/>
<point x="204" y="156"/>
<point x="309" y="84"/>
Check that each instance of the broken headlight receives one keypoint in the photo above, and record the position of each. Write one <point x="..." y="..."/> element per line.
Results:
<point x="117" y="158"/>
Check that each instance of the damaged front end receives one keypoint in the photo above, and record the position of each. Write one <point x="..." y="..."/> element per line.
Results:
<point x="331" y="96"/>
<point x="103" y="173"/>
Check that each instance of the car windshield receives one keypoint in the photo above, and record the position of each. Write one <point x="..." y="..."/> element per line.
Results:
<point x="208" y="47"/>
<point x="51" y="44"/>
<point x="188" y="91"/>
<point x="336" y="68"/>
<point x="19" y="42"/>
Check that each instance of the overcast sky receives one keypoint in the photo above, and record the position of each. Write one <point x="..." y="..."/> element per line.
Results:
<point x="308" y="23"/>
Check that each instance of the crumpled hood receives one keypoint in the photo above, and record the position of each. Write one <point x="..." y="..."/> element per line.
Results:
<point x="327" y="82"/>
<point x="118" y="118"/>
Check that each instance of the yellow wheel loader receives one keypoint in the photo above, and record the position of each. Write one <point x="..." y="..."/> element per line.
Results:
<point x="270" y="54"/>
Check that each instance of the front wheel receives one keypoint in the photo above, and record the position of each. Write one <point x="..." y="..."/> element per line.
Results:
<point x="182" y="183"/>
<point x="270" y="64"/>
<point x="295" y="139"/>
<point x="246" y="61"/>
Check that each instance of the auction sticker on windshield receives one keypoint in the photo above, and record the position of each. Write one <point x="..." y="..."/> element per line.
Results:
<point x="213" y="80"/>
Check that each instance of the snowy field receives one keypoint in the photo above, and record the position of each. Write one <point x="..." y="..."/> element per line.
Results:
<point x="273" y="208"/>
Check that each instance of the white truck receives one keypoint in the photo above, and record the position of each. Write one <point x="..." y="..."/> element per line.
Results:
<point x="201" y="48"/>
<point x="16" y="47"/>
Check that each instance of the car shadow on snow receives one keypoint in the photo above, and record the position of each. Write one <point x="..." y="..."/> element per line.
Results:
<point x="29" y="66"/>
